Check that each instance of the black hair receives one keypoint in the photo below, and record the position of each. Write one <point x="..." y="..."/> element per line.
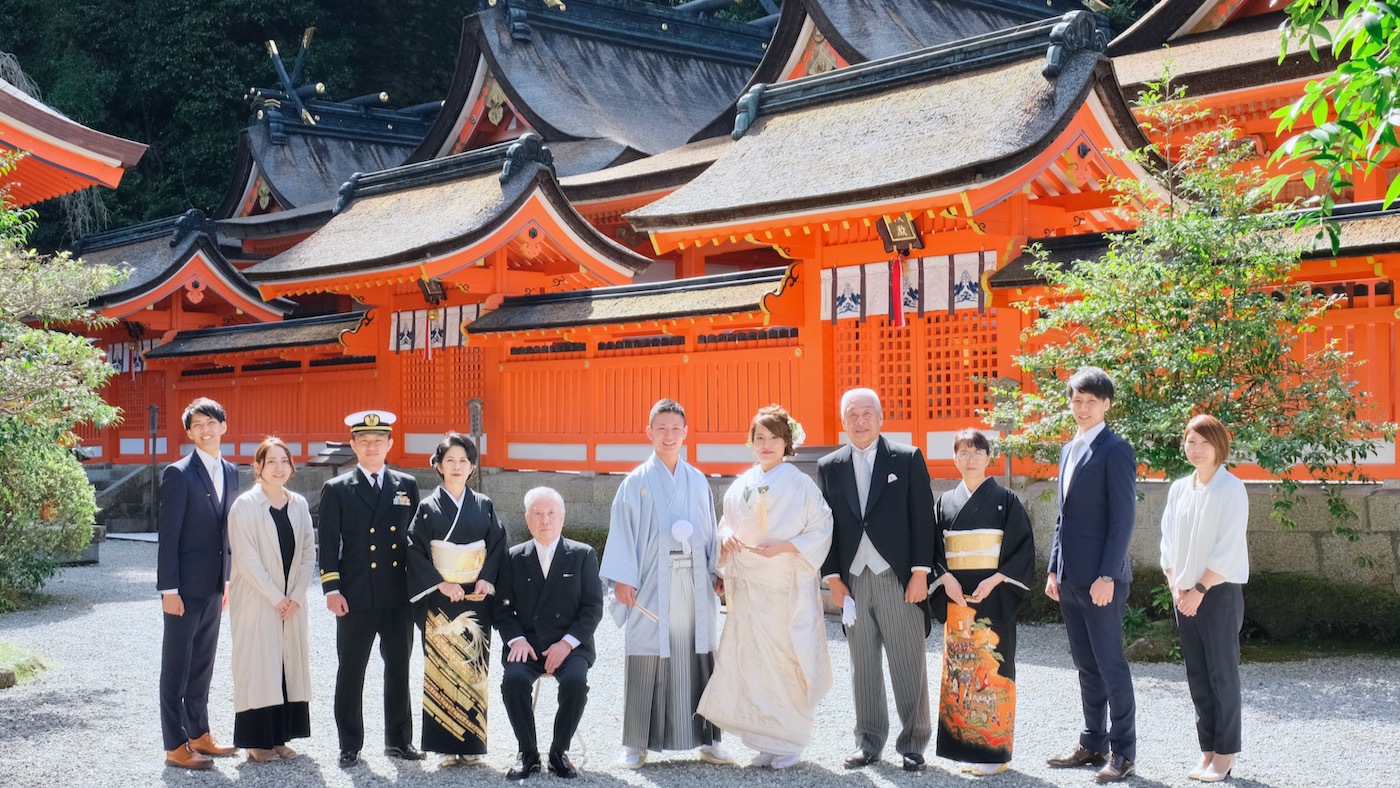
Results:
<point x="1092" y="381"/>
<point x="455" y="439"/>
<point x="665" y="405"/>
<point x="204" y="407"/>
<point x="974" y="438"/>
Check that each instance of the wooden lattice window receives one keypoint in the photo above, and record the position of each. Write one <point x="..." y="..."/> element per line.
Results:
<point x="959" y="352"/>
<point x="926" y="372"/>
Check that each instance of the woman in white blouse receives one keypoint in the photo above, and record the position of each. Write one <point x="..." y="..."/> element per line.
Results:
<point x="1206" y="562"/>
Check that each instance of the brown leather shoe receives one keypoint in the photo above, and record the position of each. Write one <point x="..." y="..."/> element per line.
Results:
<point x="1117" y="770"/>
<point x="260" y="755"/>
<point x="207" y="746"/>
<point x="185" y="758"/>
<point x="1079" y="756"/>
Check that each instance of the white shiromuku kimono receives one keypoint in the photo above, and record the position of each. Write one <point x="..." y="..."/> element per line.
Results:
<point x="773" y="667"/>
<point x="662" y="542"/>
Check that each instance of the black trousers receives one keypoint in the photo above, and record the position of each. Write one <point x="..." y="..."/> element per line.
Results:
<point x="1105" y="682"/>
<point x="354" y="639"/>
<point x="1210" y="645"/>
<point x="518" y="686"/>
<point x="187" y="667"/>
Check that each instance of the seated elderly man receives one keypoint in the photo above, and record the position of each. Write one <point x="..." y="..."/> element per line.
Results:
<point x="550" y="601"/>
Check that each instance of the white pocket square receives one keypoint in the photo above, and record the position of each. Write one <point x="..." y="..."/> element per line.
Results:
<point x="568" y="574"/>
<point x="891" y="478"/>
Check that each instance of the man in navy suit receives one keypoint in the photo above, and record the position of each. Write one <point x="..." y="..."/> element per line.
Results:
<point x="196" y="493"/>
<point x="1090" y="575"/>
<point x="550" y="602"/>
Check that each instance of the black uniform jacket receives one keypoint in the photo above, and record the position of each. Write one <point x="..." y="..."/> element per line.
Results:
<point x="364" y="538"/>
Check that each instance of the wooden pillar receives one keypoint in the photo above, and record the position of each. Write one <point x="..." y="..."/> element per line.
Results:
<point x="691" y="263"/>
<point x="387" y="388"/>
<point x="492" y="402"/>
<point x="814" y="407"/>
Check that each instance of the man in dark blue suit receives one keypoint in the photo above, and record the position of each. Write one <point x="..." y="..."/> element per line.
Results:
<point x="549" y="602"/>
<point x="196" y="493"/>
<point x="1090" y="575"/>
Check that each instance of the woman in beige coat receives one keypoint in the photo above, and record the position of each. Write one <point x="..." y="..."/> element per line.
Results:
<point x="273" y="555"/>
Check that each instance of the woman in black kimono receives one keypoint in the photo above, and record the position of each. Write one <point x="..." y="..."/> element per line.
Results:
<point x="457" y="547"/>
<point x="985" y="556"/>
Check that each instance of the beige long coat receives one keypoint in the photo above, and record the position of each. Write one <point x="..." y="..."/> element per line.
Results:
<point x="263" y="644"/>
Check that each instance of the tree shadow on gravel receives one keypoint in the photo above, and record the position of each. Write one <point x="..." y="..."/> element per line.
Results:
<point x="47" y="712"/>
<point x="129" y="576"/>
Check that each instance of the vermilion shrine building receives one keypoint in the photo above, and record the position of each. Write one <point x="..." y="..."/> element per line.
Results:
<point x="617" y="203"/>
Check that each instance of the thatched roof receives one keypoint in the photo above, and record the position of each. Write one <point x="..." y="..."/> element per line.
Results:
<point x="936" y="119"/>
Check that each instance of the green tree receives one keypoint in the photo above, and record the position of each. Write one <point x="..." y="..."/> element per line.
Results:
<point x="49" y="382"/>
<point x="1200" y="309"/>
<point x="1356" y="108"/>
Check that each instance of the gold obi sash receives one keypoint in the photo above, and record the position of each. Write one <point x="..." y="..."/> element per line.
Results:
<point x="979" y="548"/>
<point x="458" y="563"/>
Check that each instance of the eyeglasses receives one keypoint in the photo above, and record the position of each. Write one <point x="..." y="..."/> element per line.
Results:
<point x="970" y="454"/>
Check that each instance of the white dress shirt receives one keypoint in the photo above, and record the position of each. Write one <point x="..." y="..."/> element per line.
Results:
<point x="867" y="557"/>
<point x="376" y="478"/>
<point x="215" y="469"/>
<point x="1080" y="450"/>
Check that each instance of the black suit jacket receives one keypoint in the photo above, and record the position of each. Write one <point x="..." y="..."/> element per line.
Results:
<point x="364" y="538"/>
<point x="898" y="513"/>
<point x="544" y="610"/>
<point x="193" y="555"/>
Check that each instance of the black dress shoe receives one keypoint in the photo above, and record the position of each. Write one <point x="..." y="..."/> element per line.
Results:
<point x="913" y="762"/>
<point x="1117" y="770"/>
<point x="405" y="753"/>
<point x="349" y="757"/>
<point x="1079" y="756"/>
<point x="526" y="764"/>
<point x="860" y="759"/>
<point x="561" y="766"/>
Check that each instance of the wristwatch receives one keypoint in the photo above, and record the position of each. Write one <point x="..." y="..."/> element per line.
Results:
<point x="1200" y="588"/>
<point x="1106" y="578"/>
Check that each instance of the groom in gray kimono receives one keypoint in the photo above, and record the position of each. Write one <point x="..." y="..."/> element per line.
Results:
<point x="660" y="563"/>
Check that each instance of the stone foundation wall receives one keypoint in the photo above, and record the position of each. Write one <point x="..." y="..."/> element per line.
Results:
<point x="1310" y="549"/>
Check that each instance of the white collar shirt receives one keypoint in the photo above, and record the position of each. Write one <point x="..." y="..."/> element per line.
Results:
<point x="215" y="469"/>
<point x="1080" y="450"/>
<point x="545" y="552"/>
<point x="376" y="478"/>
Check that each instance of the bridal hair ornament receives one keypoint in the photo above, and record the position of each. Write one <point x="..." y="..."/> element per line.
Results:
<point x="681" y="531"/>
<point x="799" y="435"/>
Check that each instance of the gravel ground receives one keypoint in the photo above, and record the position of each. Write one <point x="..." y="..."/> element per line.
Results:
<point x="92" y="718"/>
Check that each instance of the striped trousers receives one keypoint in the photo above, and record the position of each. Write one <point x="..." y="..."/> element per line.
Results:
<point x="885" y="622"/>
<point x="661" y="694"/>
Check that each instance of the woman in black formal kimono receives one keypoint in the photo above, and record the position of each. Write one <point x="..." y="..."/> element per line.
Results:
<point x="984" y="544"/>
<point x="457" y="547"/>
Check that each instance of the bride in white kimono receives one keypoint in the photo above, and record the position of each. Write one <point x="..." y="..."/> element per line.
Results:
<point x="772" y="668"/>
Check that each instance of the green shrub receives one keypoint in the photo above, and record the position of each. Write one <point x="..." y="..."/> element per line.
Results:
<point x="1287" y="606"/>
<point x="589" y="535"/>
<point x="47" y="509"/>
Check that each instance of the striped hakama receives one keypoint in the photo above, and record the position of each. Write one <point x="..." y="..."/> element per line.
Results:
<point x="662" y="693"/>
